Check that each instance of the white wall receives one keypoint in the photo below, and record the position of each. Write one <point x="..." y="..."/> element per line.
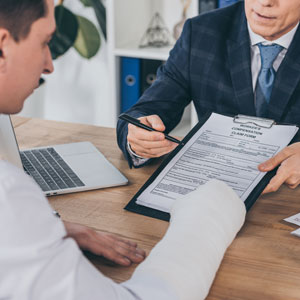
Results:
<point x="78" y="90"/>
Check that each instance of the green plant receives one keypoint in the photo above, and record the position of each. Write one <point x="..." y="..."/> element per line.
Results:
<point x="77" y="31"/>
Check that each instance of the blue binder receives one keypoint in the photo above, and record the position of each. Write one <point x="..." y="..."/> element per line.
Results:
<point x="148" y="72"/>
<point x="130" y="82"/>
<point x="223" y="3"/>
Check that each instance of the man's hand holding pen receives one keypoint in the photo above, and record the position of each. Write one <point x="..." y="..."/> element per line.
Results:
<point x="149" y="144"/>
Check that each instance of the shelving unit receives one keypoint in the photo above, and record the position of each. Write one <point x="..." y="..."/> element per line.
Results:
<point x="127" y="21"/>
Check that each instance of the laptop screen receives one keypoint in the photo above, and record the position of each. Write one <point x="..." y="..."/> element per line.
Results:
<point x="9" y="149"/>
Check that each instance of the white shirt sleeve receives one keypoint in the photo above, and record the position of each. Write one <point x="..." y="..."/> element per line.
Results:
<point x="136" y="159"/>
<point x="37" y="262"/>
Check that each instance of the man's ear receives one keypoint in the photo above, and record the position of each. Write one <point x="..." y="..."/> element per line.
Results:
<point x="4" y="42"/>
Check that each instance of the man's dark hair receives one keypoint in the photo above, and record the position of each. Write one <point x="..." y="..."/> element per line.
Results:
<point x="17" y="16"/>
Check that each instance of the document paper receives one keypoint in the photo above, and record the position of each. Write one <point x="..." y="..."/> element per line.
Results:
<point x="296" y="232"/>
<point x="220" y="149"/>
<point x="294" y="219"/>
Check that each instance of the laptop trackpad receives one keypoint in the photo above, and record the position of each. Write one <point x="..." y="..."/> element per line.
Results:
<point x="90" y="165"/>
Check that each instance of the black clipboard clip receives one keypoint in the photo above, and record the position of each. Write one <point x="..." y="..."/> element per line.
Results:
<point x="257" y="121"/>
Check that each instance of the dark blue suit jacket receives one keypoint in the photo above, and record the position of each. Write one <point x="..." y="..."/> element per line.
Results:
<point x="211" y="66"/>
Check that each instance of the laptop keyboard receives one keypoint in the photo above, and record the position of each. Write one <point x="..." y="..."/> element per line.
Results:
<point x="49" y="170"/>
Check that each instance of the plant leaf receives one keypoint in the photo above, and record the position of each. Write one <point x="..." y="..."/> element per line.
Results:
<point x="88" y="39"/>
<point x="100" y="12"/>
<point x="66" y="31"/>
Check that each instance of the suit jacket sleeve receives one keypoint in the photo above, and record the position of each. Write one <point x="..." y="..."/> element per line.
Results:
<point x="168" y="95"/>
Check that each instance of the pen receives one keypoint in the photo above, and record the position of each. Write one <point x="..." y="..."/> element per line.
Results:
<point x="138" y="123"/>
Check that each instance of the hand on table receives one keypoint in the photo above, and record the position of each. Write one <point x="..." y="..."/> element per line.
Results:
<point x="288" y="171"/>
<point x="149" y="144"/>
<point x="110" y="246"/>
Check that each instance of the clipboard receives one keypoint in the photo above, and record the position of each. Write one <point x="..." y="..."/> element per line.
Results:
<point x="132" y="206"/>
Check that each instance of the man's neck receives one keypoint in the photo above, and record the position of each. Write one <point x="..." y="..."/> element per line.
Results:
<point x="284" y="40"/>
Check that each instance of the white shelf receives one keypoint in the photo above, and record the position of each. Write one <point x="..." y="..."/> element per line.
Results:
<point x="144" y="53"/>
<point x="127" y="21"/>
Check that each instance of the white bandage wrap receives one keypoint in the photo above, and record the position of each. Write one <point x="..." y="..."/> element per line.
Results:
<point x="203" y="224"/>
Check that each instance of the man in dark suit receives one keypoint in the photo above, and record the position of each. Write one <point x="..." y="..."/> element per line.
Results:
<point x="217" y="63"/>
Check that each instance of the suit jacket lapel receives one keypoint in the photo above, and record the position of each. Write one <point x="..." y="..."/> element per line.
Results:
<point x="287" y="78"/>
<point x="239" y="55"/>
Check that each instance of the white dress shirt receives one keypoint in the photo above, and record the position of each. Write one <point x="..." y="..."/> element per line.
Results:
<point x="255" y="39"/>
<point x="38" y="263"/>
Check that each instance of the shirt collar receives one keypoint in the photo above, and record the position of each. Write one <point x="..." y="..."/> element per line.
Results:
<point x="283" y="41"/>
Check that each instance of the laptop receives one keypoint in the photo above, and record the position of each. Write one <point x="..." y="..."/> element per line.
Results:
<point x="60" y="169"/>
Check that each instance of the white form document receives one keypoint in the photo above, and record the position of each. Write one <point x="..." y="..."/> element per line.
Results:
<point x="293" y="219"/>
<point x="220" y="149"/>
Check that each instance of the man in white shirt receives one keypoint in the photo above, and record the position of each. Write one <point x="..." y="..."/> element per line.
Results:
<point x="216" y="63"/>
<point x="39" y="259"/>
<point x="23" y="58"/>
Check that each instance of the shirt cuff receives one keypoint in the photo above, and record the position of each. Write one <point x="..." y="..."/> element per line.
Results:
<point x="136" y="159"/>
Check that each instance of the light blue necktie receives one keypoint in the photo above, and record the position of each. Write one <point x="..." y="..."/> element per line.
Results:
<point x="266" y="77"/>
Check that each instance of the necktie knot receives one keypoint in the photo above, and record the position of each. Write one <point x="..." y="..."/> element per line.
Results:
<point x="266" y="77"/>
<point x="268" y="54"/>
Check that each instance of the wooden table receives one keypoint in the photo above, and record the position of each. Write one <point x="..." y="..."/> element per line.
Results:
<point x="262" y="263"/>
